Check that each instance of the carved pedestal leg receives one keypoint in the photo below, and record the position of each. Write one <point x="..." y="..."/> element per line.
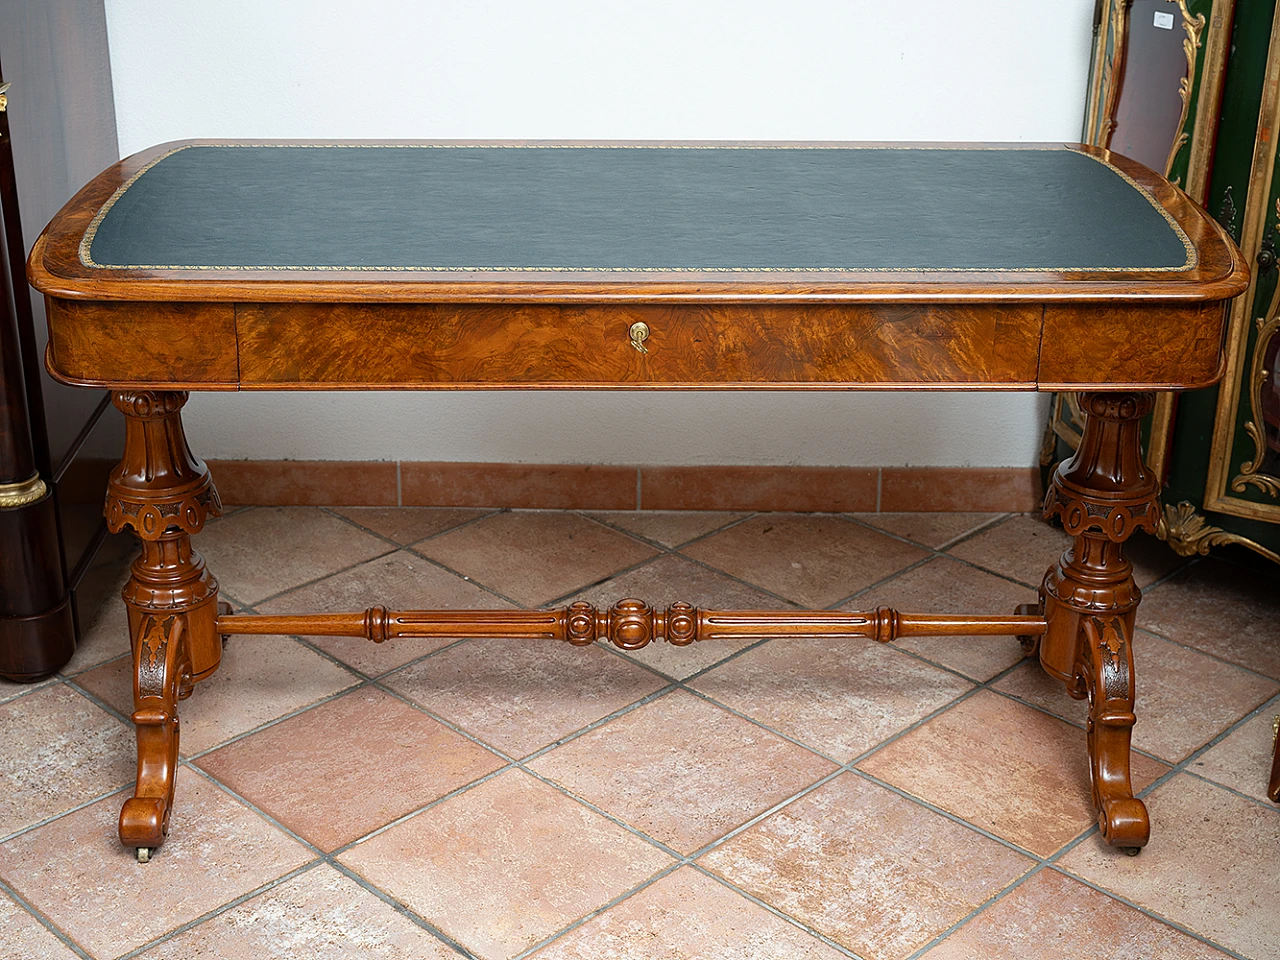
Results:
<point x="164" y="494"/>
<point x="1102" y="494"/>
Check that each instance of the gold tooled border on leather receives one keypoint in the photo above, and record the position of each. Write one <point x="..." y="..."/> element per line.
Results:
<point x="86" y="242"/>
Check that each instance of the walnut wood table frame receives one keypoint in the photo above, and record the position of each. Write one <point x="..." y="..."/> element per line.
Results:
<point x="220" y="266"/>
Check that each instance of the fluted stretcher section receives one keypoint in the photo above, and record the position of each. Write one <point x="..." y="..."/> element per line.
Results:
<point x="632" y="624"/>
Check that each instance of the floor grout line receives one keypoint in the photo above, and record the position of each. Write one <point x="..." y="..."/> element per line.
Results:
<point x="608" y="905"/>
<point x="54" y="930"/>
<point x="794" y="921"/>
<point x="1145" y="911"/>
<point x="976" y="911"/>
<point x="403" y="909"/>
<point x="182" y="928"/>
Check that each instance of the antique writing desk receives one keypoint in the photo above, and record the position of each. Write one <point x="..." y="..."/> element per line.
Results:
<point x="290" y="266"/>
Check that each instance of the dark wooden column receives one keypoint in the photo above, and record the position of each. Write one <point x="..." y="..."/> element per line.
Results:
<point x="37" y="635"/>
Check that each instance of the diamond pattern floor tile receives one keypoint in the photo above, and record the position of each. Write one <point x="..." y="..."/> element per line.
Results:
<point x="838" y="697"/>
<point x="1020" y="548"/>
<point x="106" y="635"/>
<point x="319" y="914"/>
<point x="813" y="560"/>
<point x="10" y="690"/>
<point x="673" y="768"/>
<point x="1054" y="917"/>
<point x="520" y="695"/>
<point x="671" y="528"/>
<point x="506" y="864"/>
<point x="687" y="915"/>
<point x="1214" y="872"/>
<point x="1222" y="609"/>
<point x="1014" y="771"/>
<point x="399" y="581"/>
<point x="257" y="553"/>
<point x="1242" y="760"/>
<point x="259" y="679"/>
<point x="945" y="586"/>
<point x="1152" y="558"/>
<point x="930" y="529"/>
<point x="864" y="866"/>
<point x="75" y="871"/>
<point x="1185" y="698"/>
<point x="1024" y="546"/>
<point x="25" y="938"/>
<point x="57" y="750"/>
<point x="346" y="767"/>
<point x="534" y="557"/>
<point x="407" y="525"/>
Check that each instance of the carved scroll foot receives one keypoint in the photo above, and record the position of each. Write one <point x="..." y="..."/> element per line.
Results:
<point x="162" y="669"/>
<point x="1107" y="671"/>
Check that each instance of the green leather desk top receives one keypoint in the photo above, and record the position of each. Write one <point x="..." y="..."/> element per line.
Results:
<point x="628" y="209"/>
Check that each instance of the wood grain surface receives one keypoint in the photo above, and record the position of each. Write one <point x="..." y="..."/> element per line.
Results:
<point x="561" y="345"/>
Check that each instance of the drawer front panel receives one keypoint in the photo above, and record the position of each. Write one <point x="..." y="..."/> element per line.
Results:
<point x="496" y="345"/>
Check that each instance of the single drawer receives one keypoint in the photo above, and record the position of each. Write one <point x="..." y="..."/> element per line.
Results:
<point x="688" y="345"/>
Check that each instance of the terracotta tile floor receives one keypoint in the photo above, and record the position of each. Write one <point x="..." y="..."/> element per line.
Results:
<point x="732" y="801"/>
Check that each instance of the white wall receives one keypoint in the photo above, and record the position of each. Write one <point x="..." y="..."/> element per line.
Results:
<point x="639" y="69"/>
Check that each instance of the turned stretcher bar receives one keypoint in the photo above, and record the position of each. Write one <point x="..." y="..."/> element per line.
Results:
<point x="632" y="624"/>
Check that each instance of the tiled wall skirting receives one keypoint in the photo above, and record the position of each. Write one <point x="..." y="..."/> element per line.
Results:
<point x="597" y="487"/>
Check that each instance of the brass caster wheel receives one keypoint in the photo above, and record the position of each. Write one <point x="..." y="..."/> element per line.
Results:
<point x="1131" y="851"/>
<point x="144" y="854"/>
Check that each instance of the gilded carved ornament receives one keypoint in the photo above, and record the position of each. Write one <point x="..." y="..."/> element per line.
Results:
<point x="1268" y="326"/>
<point x="1187" y="533"/>
<point x="1194" y="28"/>
<point x="1113" y="66"/>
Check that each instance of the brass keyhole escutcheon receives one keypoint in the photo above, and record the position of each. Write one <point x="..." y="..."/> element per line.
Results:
<point x="639" y="334"/>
